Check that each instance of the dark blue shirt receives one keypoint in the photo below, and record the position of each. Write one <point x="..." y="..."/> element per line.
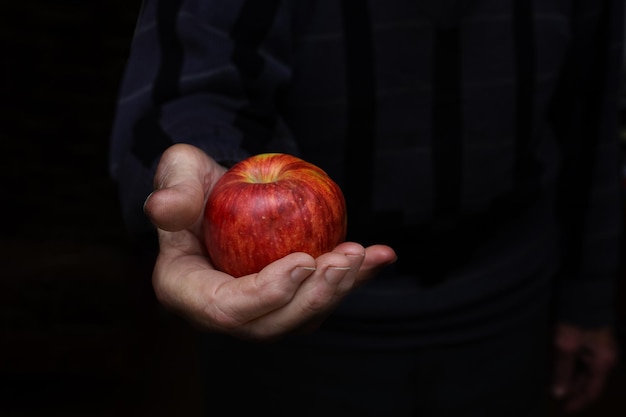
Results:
<point x="477" y="137"/>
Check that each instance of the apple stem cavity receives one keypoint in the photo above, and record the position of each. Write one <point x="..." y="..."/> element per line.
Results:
<point x="264" y="173"/>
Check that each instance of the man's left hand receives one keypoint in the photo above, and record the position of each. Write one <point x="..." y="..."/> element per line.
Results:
<point x="583" y="362"/>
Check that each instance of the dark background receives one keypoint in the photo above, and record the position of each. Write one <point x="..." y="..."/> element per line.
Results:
<point x="80" y="332"/>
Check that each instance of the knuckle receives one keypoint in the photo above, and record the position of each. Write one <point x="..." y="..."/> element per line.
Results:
<point x="220" y="318"/>
<point x="346" y="286"/>
<point x="272" y="290"/>
<point x="275" y="294"/>
<point x="316" y="303"/>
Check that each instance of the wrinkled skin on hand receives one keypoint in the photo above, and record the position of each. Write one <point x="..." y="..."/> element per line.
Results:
<point x="292" y="294"/>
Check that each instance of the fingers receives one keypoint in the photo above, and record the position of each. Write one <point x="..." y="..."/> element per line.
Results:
<point x="376" y="258"/>
<point x="289" y="294"/>
<point x="242" y="300"/>
<point x="286" y="296"/>
<point x="601" y="362"/>
<point x="567" y="345"/>
<point x="215" y="301"/>
<point x="585" y="359"/>
<point x="183" y="178"/>
<point x="334" y="276"/>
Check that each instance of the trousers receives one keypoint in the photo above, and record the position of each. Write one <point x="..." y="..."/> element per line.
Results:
<point x="503" y="375"/>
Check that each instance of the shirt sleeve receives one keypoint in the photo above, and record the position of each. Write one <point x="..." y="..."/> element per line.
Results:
<point x="589" y="200"/>
<point x="207" y="73"/>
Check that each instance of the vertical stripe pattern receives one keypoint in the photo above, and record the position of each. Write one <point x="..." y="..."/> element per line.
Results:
<point x="584" y="132"/>
<point x="482" y="207"/>
<point x="361" y="109"/>
<point x="447" y="146"/>
<point x="248" y="33"/>
<point x="149" y="138"/>
<point x="524" y="40"/>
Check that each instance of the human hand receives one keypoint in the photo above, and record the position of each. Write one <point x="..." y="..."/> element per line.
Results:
<point x="583" y="361"/>
<point x="288" y="295"/>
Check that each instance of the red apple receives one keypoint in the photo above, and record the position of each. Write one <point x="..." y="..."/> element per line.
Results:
<point x="268" y="206"/>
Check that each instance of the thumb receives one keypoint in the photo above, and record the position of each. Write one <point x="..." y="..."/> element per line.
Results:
<point x="183" y="178"/>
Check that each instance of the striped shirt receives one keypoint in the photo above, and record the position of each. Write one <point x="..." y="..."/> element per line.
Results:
<point x="477" y="137"/>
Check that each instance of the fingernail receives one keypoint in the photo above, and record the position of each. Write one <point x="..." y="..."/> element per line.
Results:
<point x="335" y="273"/>
<point x="300" y="273"/>
<point x="146" y="200"/>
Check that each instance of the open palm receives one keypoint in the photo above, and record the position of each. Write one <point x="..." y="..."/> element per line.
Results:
<point x="287" y="295"/>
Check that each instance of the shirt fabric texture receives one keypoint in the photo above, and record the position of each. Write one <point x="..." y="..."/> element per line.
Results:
<point x="476" y="137"/>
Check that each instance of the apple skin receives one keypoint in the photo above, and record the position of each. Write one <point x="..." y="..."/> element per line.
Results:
<point x="268" y="206"/>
